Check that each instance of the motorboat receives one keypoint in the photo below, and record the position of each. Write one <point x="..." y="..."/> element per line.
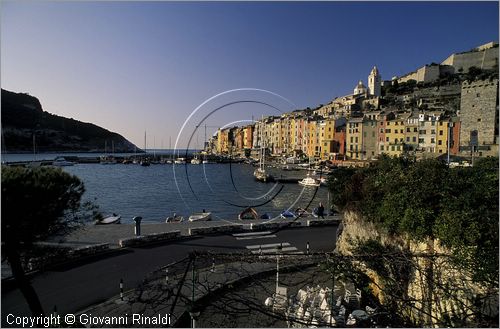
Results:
<point x="180" y="161"/>
<point x="114" y="219"/>
<point x="195" y="161"/>
<point x="200" y="216"/>
<point x="248" y="213"/>
<point x="61" y="162"/>
<point x="287" y="214"/>
<point x="309" y="181"/>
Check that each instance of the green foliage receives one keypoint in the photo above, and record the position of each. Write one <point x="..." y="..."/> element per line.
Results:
<point x="37" y="203"/>
<point x="428" y="200"/>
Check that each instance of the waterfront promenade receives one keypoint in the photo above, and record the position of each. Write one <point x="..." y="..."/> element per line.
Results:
<point x="75" y="286"/>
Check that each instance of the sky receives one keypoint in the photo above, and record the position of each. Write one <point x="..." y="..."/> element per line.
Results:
<point x="135" y="67"/>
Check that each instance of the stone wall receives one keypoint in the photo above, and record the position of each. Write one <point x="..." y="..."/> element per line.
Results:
<point x="486" y="59"/>
<point x="479" y="111"/>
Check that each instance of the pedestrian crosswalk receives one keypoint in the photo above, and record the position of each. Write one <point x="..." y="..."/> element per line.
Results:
<point x="254" y="235"/>
<point x="269" y="248"/>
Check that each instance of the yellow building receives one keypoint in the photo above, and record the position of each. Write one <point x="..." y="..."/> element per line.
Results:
<point x="395" y="136"/>
<point x="442" y="132"/>
<point x="312" y="138"/>
<point x="327" y="135"/>
<point x="223" y="141"/>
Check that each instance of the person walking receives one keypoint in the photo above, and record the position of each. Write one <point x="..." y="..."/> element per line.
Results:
<point x="321" y="211"/>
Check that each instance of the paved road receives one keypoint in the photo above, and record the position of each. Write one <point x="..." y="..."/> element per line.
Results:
<point x="73" y="289"/>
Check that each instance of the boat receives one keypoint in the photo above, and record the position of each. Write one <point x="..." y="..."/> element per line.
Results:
<point x="145" y="162"/>
<point x="200" y="216"/>
<point x="248" y="213"/>
<point x="180" y="161"/>
<point x="309" y="181"/>
<point x="301" y="212"/>
<point x="108" y="159"/>
<point x="287" y="214"/>
<point x="114" y="219"/>
<point x="260" y="173"/>
<point x="266" y="216"/>
<point x="174" y="219"/>
<point x="61" y="162"/>
<point x="195" y="160"/>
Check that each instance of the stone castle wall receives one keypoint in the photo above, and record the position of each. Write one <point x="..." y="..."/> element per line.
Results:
<point x="479" y="111"/>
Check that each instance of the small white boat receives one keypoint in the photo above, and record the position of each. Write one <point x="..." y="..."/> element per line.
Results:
<point x="174" y="219"/>
<point x="195" y="161"/>
<point x="115" y="219"/>
<point x="309" y="181"/>
<point x="180" y="161"/>
<point x="200" y="216"/>
<point x="61" y="162"/>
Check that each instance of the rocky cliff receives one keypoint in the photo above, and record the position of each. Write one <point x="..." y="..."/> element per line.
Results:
<point x="421" y="281"/>
<point x="23" y="117"/>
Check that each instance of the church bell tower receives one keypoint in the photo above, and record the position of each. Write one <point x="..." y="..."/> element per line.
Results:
<point x="374" y="82"/>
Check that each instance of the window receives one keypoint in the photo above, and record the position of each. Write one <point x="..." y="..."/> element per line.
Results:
<point x="387" y="131"/>
<point x="381" y="131"/>
<point x="479" y="120"/>
<point x="407" y="130"/>
<point x="478" y="94"/>
<point x="433" y="132"/>
<point x="415" y="129"/>
<point x="350" y="147"/>
<point x="352" y="139"/>
<point x="356" y="148"/>
<point x="401" y="140"/>
<point x="440" y="133"/>
<point x="407" y="139"/>
<point x="381" y="147"/>
<point x="432" y="141"/>
<point x="414" y="139"/>
<point x="387" y="139"/>
<point x="398" y="148"/>
<point x="421" y="132"/>
<point x="356" y="140"/>
<point x="392" y="148"/>
<point x="440" y="142"/>
<point x="421" y="140"/>
<point x="401" y="131"/>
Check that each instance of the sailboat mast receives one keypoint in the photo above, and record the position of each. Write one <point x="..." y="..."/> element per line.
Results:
<point x="145" y="141"/>
<point x="34" y="148"/>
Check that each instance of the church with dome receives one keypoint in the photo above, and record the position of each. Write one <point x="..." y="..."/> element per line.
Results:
<point x="362" y="98"/>
<point x="374" y="84"/>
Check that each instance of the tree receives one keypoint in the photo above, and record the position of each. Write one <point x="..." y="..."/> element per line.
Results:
<point x="36" y="203"/>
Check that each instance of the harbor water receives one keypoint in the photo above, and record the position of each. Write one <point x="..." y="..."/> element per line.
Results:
<point x="158" y="191"/>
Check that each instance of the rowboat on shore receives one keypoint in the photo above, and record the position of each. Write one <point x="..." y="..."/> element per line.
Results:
<point x="174" y="219"/>
<point x="114" y="219"/>
<point x="248" y="213"/>
<point x="288" y="214"/>
<point x="200" y="216"/>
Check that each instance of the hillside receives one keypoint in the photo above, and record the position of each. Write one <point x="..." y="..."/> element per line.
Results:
<point x="23" y="115"/>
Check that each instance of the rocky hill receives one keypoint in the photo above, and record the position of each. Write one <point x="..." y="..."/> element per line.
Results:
<point x="23" y="116"/>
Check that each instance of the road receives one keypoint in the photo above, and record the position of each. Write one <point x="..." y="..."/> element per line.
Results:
<point x="73" y="289"/>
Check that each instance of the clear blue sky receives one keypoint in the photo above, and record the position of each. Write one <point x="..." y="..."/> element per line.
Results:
<point x="135" y="66"/>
